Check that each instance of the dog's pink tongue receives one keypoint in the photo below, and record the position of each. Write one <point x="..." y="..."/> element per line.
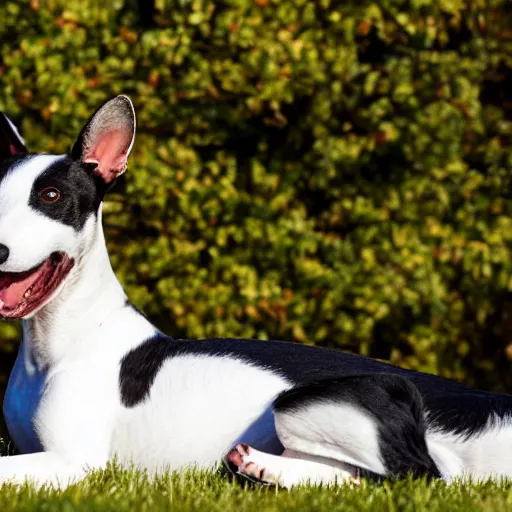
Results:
<point x="12" y="294"/>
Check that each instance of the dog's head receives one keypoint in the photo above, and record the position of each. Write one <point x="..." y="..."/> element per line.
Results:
<point x="49" y="204"/>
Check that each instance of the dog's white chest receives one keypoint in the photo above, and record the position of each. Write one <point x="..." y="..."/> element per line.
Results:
<point x="22" y="398"/>
<point x="198" y="408"/>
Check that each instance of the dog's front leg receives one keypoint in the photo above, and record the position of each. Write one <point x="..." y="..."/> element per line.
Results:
<point x="44" y="468"/>
<point x="74" y="426"/>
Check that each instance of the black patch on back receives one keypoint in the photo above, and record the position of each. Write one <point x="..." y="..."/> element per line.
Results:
<point x="139" y="369"/>
<point x="391" y="401"/>
<point x="80" y="193"/>
<point x="449" y="406"/>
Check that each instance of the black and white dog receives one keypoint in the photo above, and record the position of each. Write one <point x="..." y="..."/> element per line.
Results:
<point x="95" y="380"/>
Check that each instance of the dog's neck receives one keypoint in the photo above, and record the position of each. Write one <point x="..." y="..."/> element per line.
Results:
<point x="90" y="296"/>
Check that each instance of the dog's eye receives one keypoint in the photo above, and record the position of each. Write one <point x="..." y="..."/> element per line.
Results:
<point x="49" y="195"/>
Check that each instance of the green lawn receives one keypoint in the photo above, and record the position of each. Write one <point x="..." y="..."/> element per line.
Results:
<point x="118" y="490"/>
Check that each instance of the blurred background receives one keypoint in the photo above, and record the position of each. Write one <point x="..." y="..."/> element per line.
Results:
<point x="335" y="173"/>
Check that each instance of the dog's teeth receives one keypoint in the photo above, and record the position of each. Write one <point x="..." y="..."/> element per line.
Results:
<point x="27" y="294"/>
<point x="1" y="303"/>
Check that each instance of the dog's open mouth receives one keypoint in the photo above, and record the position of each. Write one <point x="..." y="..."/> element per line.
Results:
<point x="23" y="292"/>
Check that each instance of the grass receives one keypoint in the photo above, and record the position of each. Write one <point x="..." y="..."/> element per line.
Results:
<point x="116" y="489"/>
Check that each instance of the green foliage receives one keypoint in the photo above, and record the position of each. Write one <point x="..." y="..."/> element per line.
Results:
<point x="334" y="173"/>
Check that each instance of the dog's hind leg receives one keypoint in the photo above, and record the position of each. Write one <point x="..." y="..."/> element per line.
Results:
<point x="371" y="422"/>
<point x="286" y="470"/>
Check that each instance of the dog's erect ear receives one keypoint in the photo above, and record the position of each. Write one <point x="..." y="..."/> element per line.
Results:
<point x="107" y="138"/>
<point x="11" y="142"/>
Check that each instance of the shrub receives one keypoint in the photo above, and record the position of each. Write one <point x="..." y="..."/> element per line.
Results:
<point x="334" y="173"/>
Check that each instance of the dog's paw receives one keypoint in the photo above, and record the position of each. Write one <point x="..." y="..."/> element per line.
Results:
<point x="247" y="462"/>
<point x="284" y="471"/>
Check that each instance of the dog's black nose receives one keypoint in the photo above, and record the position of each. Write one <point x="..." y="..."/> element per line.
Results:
<point x="4" y="253"/>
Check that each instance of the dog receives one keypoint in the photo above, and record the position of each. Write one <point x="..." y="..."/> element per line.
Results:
<point x="94" y="380"/>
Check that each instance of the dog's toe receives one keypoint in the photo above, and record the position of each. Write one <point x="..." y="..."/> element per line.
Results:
<point x="240" y="462"/>
<point x="254" y="471"/>
<point x="235" y="457"/>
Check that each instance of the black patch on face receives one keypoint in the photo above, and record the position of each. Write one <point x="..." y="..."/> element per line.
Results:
<point x="80" y="193"/>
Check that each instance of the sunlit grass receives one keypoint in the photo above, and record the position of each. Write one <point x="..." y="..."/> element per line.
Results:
<point x="118" y="489"/>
